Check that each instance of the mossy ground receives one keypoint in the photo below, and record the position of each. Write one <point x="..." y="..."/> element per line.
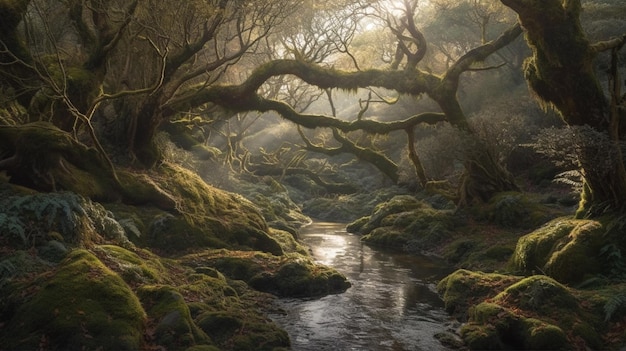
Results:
<point x="86" y="277"/>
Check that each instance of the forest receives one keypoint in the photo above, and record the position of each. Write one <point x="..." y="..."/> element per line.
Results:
<point x="159" y="159"/>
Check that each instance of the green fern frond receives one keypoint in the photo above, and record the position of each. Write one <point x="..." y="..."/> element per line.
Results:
<point x="614" y="303"/>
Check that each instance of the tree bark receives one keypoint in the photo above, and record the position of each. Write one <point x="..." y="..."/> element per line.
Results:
<point x="561" y="74"/>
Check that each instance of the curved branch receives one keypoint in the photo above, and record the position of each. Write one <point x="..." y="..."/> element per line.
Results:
<point x="480" y="53"/>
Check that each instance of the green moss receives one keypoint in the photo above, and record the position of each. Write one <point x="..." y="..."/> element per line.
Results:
<point x="294" y="275"/>
<point x="81" y="305"/>
<point x="566" y="249"/>
<point x="387" y="237"/>
<point x="493" y="326"/>
<point x="539" y="292"/>
<point x="134" y="269"/>
<point x="481" y="337"/>
<point x="220" y="325"/>
<point x="174" y="327"/>
<point x="544" y="336"/>
<point x="533" y="250"/>
<point x="464" y="288"/>
<point x="288" y="242"/>
<point x="210" y="217"/>
<point x="357" y="225"/>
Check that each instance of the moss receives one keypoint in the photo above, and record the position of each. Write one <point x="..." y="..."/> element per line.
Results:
<point x="387" y="237"/>
<point x="305" y="279"/>
<point x="566" y="249"/>
<point x="491" y="325"/>
<point x="357" y="225"/>
<point x="481" y="337"/>
<point x="210" y="216"/>
<point x="174" y="327"/>
<point x="539" y="293"/>
<point x="544" y="336"/>
<point x="134" y="269"/>
<point x="288" y="242"/>
<point x="464" y="288"/>
<point x="81" y="305"/>
<point x="294" y="275"/>
<point x="220" y="325"/>
<point x="533" y="250"/>
<point x="66" y="165"/>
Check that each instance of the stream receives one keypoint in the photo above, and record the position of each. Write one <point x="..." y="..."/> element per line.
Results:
<point x="392" y="304"/>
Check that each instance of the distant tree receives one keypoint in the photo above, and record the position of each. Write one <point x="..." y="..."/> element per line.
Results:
<point x="133" y="66"/>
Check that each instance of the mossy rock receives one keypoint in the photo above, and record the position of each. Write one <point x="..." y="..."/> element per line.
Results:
<point x="237" y="330"/>
<point x="293" y="275"/>
<point x="133" y="268"/>
<point x="540" y="335"/>
<point x="539" y="293"/>
<point x="464" y="288"/>
<point x="288" y="242"/>
<point x="387" y="237"/>
<point x="357" y="226"/>
<point x="210" y="217"/>
<point x="481" y="337"/>
<point x="405" y="222"/>
<point x="397" y="204"/>
<point x="302" y="279"/>
<point x="173" y="326"/>
<point x="565" y="249"/>
<point x="82" y="305"/>
<point x="494" y="327"/>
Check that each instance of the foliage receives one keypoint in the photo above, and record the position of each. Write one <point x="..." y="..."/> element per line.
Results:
<point x="614" y="304"/>
<point x="29" y="220"/>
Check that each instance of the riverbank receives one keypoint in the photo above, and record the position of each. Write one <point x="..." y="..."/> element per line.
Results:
<point x="530" y="275"/>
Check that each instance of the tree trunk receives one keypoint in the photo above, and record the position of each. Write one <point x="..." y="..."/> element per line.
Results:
<point x="561" y="74"/>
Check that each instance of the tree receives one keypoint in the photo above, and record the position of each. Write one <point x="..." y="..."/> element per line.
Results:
<point x="185" y="59"/>
<point x="561" y="74"/>
<point x="485" y="175"/>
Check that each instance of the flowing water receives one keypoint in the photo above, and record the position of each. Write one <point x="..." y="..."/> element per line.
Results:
<point x="392" y="304"/>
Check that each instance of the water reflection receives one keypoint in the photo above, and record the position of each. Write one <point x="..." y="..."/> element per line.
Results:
<point x="391" y="305"/>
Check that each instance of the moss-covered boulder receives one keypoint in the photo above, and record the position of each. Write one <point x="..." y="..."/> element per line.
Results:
<point x="210" y="213"/>
<point x="505" y="312"/>
<point x="296" y="275"/>
<point x="81" y="305"/>
<point x="136" y="267"/>
<point x="170" y="317"/>
<point x="465" y="288"/>
<point x="493" y="327"/>
<point x="569" y="250"/>
<point x="405" y="222"/>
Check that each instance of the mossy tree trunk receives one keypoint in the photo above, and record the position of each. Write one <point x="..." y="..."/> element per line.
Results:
<point x="561" y="73"/>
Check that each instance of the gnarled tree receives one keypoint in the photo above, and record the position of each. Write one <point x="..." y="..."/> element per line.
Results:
<point x="561" y="73"/>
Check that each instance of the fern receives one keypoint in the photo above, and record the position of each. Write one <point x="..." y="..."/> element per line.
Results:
<point x="11" y="226"/>
<point x="31" y="217"/>
<point x="573" y="178"/>
<point x="130" y="227"/>
<point x="613" y="304"/>
<point x="7" y="270"/>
